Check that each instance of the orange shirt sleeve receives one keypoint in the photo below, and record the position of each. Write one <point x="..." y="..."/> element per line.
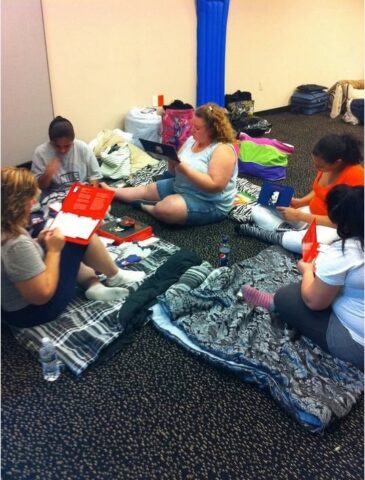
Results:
<point x="352" y="175"/>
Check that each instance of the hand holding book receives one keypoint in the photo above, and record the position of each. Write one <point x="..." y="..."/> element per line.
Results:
<point x="82" y="211"/>
<point x="310" y="244"/>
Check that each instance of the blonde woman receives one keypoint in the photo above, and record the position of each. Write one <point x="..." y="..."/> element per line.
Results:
<point x="203" y="185"/>
<point x="38" y="277"/>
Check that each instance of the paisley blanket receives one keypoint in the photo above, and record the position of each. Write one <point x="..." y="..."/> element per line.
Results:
<point x="202" y="312"/>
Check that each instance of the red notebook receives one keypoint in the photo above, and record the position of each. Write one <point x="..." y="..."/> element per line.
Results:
<point x="82" y="211"/>
<point x="309" y="243"/>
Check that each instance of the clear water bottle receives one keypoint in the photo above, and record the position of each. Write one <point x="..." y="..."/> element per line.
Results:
<point x="49" y="360"/>
<point x="224" y="252"/>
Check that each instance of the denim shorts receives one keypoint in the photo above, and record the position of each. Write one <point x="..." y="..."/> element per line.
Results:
<point x="200" y="212"/>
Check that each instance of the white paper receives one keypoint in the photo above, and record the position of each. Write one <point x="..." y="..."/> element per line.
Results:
<point x="74" y="226"/>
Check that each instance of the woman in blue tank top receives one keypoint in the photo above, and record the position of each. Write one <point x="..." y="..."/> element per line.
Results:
<point x="203" y="184"/>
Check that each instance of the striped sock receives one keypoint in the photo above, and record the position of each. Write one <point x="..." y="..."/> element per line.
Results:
<point x="247" y="230"/>
<point x="256" y="298"/>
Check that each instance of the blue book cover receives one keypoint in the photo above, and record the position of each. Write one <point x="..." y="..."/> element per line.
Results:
<point x="273" y="195"/>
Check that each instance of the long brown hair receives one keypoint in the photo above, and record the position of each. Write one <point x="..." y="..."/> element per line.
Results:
<point x="18" y="186"/>
<point x="216" y="120"/>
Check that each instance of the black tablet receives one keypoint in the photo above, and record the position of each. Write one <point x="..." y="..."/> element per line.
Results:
<point x="160" y="151"/>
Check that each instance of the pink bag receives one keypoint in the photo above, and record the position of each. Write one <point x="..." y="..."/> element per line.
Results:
<point x="177" y="126"/>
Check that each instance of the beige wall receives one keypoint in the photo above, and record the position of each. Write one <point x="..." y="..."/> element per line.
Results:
<point x="106" y="56"/>
<point x="26" y="104"/>
<point x="274" y="46"/>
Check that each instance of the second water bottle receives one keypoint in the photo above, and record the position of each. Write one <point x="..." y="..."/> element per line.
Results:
<point x="224" y="252"/>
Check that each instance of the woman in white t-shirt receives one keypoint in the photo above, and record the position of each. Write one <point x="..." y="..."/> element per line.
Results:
<point x="328" y="305"/>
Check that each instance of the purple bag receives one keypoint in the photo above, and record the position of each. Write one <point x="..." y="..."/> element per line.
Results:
<point x="255" y="170"/>
<point x="265" y="158"/>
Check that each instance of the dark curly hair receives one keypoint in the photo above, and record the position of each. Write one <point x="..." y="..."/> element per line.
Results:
<point x="346" y="210"/>
<point x="333" y="147"/>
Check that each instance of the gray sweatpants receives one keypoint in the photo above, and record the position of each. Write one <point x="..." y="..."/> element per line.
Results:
<point x="323" y="327"/>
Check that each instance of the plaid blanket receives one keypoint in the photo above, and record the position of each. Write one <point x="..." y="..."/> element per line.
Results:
<point x="86" y="327"/>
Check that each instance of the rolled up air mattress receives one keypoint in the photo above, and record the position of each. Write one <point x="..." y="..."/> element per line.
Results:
<point x="211" y="49"/>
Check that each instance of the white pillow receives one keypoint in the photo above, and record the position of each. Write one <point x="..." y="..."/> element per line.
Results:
<point x="337" y="101"/>
<point x="348" y="117"/>
<point x="355" y="92"/>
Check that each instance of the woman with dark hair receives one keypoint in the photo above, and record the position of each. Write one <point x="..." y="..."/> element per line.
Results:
<point x="203" y="184"/>
<point x="337" y="161"/>
<point x="328" y="305"/>
<point x="63" y="160"/>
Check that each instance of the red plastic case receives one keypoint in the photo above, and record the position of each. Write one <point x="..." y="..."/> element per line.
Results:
<point x="86" y="201"/>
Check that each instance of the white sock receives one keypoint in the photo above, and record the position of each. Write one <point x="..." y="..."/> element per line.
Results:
<point x="124" y="277"/>
<point x="100" y="292"/>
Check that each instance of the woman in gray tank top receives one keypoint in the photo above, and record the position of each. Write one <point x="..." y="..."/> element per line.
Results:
<point x="201" y="187"/>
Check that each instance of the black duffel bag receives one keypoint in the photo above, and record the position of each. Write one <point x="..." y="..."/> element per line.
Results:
<point x="252" y="125"/>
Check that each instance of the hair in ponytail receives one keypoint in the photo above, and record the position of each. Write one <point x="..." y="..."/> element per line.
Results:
<point x="61" y="128"/>
<point x="333" y="147"/>
<point x="346" y="210"/>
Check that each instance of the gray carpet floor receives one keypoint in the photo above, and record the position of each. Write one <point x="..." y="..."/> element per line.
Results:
<point x="155" y="412"/>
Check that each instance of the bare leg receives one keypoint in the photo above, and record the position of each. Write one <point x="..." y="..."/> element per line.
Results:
<point x="98" y="258"/>
<point x="94" y="290"/>
<point x="128" y="194"/>
<point x="172" y="209"/>
<point x="86" y="277"/>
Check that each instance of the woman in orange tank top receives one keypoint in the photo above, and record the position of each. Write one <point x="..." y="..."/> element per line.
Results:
<point x="337" y="160"/>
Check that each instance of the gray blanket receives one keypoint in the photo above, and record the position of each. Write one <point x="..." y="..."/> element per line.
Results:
<point x="310" y="384"/>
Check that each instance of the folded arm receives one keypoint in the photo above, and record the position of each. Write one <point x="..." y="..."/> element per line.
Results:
<point x="45" y="180"/>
